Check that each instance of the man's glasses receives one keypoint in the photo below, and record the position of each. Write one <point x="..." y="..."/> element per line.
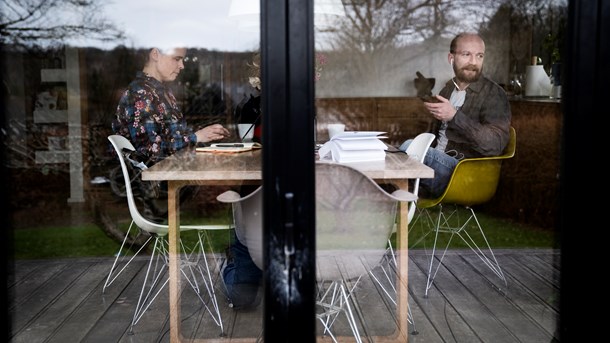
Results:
<point x="468" y="54"/>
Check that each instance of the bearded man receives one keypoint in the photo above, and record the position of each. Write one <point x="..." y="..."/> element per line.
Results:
<point x="471" y="114"/>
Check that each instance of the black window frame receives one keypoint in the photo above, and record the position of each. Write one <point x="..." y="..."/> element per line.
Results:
<point x="287" y="53"/>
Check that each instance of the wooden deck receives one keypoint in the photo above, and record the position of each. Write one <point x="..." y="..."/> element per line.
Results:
<point x="62" y="301"/>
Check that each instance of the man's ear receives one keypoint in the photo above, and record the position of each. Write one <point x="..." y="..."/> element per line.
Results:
<point x="154" y="54"/>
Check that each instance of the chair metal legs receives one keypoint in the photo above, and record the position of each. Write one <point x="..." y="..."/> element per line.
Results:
<point x="206" y="277"/>
<point x="333" y="300"/>
<point x="389" y="269"/>
<point x="443" y="224"/>
<point x="157" y="265"/>
<point x="334" y="296"/>
<point x="114" y="272"/>
<point x="191" y="270"/>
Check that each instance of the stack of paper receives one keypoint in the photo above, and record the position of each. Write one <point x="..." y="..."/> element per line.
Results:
<point x="354" y="146"/>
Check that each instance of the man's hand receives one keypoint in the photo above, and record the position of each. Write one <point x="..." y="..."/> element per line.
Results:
<point x="442" y="110"/>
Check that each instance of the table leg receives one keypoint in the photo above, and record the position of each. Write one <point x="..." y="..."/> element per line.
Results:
<point x="402" y="238"/>
<point x="173" y="216"/>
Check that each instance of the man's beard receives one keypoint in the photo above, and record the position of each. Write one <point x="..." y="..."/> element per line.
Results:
<point x="463" y="77"/>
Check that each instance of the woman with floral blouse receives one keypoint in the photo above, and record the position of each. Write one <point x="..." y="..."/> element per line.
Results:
<point x="148" y="114"/>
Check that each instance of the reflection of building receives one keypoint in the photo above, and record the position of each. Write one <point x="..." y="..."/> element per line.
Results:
<point x="206" y="107"/>
<point x="59" y="106"/>
<point x="66" y="148"/>
<point x="220" y="94"/>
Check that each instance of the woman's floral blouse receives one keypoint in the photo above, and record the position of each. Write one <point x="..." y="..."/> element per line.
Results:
<point x="148" y="115"/>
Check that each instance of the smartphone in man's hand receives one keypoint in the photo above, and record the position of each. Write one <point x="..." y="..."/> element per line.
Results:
<point x="429" y="98"/>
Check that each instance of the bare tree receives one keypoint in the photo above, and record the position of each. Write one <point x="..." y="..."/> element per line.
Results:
<point x="52" y="22"/>
<point x="366" y="38"/>
<point x="374" y="25"/>
<point x="372" y="39"/>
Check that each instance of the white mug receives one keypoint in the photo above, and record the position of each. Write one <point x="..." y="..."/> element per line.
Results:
<point x="244" y="134"/>
<point x="335" y="129"/>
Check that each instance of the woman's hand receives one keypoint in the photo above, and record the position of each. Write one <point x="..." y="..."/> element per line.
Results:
<point x="212" y="132"/>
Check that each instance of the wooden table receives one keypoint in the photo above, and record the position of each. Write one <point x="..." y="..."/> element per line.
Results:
<point x="190" y="168"/>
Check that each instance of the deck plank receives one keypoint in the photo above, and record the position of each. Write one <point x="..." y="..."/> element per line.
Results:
<point x="115" y="307"/>
<point x="93" y="310"/>
<point x="440" y="312"/>
<point x="30" y="277"/>
<point x="62" y="301"/>
<point x="50" y="288"/>
<point x="499" y="301"/>
<point x="524" y="298"/>
<point x="59" y="310"/>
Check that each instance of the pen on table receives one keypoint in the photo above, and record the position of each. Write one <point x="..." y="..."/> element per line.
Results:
<point x="234" y="145"/>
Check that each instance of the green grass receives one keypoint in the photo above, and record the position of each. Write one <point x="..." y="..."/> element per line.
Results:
<point x="86" y="241"/>
<point x="89" y="240"/>
<point x="500" y="232"/>
<point x="59" y="242"/>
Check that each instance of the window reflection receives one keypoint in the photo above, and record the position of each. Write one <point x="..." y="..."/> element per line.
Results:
<point x="369" y="58"/>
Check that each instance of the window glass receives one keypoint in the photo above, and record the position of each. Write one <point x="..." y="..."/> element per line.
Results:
<point x="65" y="69"/>
<point x="375" y="59"/>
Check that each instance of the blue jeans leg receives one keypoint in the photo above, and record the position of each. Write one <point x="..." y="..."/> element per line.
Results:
<point x="241" y="276"/>
<point x="443" y="166"/>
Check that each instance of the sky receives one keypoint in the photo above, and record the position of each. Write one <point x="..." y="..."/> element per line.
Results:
<point x="191" y="23"/>
<point x="206" y="24"/>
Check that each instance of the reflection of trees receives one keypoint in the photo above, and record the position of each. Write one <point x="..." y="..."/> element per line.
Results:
<point x="539" y="26"/>
<point x="373" y="25"/>
<point x="378" y="37"/>
<point x="206" y="105"/>
<point x="379" y="44"/>
<point x="39" y="22"/>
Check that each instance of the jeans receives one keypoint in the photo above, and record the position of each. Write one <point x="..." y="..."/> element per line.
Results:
<point x="241" y="276"/>
<point x="443" y="166"/>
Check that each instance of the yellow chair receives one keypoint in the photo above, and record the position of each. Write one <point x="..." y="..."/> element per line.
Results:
<point x="473" y="182"/>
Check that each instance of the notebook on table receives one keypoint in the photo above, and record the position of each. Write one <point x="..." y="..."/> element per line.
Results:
<point x="229" y="147"/>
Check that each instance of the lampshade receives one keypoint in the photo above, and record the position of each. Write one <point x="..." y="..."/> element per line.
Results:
<point x="328" y="7"/>
<point x="244" y="8"/>
<point x="326" y="12"/>
<point x="247" y="12"/>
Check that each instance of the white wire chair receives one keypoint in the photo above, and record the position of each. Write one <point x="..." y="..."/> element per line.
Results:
<point x="354" y="219"/>
<point x="191" y="264"/>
